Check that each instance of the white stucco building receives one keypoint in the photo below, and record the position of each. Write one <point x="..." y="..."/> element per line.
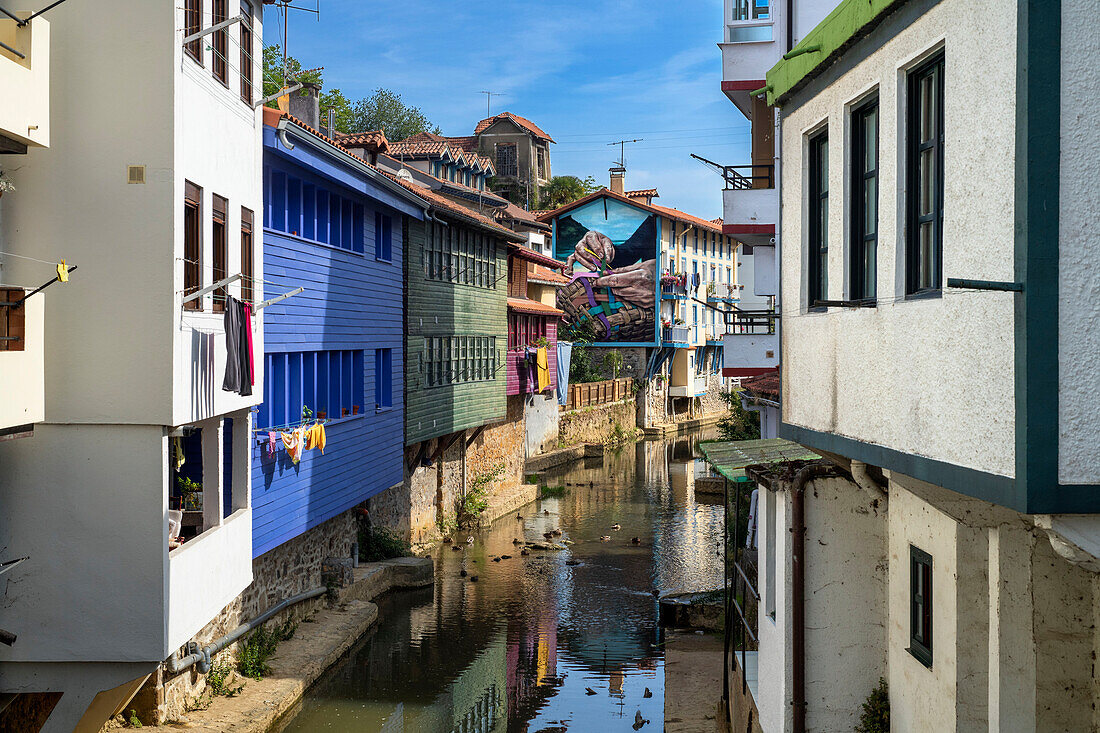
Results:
<point x="938" y="334"/>
<point x="151" y="186"/>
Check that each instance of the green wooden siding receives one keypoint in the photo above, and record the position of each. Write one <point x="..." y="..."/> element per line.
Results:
<point x="438" y="308"/>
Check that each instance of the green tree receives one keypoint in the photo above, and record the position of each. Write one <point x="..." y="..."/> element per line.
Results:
<point x="562" y="190"/>
<point x="738" y="423"/>
<point x="329" y="99"/>
<point x="384" y="110"/>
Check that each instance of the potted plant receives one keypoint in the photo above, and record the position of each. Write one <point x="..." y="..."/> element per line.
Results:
<point x="542" y="342"/>
<point x="191" y="492"/>
<point x="5" y="184"/>
<point x="355" y="409"/>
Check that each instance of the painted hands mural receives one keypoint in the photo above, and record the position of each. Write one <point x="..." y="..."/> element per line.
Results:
<point x="614" y="259"/>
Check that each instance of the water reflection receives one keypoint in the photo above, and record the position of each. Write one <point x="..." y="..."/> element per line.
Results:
<point x="555" y="641"/>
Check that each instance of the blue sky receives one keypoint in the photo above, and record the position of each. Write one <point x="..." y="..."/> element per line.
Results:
<point x="589" y="72"/>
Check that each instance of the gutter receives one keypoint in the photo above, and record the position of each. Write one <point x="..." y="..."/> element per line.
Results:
<point x="360" y="165"/>
<point x="798" y="589"/>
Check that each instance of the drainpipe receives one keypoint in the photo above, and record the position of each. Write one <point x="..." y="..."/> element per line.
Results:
<point x="865" y="482"/>
<point x="798" y="589"/>
<point x="202" y="657"/>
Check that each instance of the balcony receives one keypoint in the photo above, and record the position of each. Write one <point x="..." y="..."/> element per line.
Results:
<point x="24" y="76"/>
<point x="715" y="332"/>
<point x="748" y="48"/>
<point x="723" y="292"/>
<point x="22" y="361"/>
<point x="694" y="386"/>
<point x="676" y="335"/>
<point x="750" y="203"/>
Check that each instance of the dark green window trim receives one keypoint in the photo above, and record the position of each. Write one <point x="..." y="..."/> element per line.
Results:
<point x="924" y="178"/>
<point x="817" y="241"/>
<point x="920" y="605"/>
<point x="863" y="223"/>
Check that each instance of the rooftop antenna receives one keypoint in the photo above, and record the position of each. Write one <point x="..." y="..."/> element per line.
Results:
<point x="488" y="99"/>
<point x="621" y="162"/>
<point x="285" y="6"/>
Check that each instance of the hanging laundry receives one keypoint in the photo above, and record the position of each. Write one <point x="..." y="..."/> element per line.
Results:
<point x="565" y="353"/>
<point x="251" y="355"/>
<point x="316" y="436"/>
<point x="542" y="366"/>
<point x="271" y="445"/>
<point x="238" y="347"/>
<point x="177" y="453"/>
<point x="292" y="441"/>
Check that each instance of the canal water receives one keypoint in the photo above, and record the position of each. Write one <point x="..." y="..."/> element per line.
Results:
<point x="554" y="641"/>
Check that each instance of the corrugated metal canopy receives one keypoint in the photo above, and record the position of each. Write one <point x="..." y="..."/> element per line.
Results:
<point x="729" y="458"/>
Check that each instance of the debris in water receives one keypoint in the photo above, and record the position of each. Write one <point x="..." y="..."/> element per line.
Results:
<point x="605" y="538"/>
<point x="589" y="691"/>
<point x="647" y="693"/>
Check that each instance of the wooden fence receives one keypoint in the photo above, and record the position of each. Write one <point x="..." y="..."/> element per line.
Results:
<point x="598" y="393"/>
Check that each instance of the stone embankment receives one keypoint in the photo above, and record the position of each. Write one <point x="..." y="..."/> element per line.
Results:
<point x="317" y="644"/>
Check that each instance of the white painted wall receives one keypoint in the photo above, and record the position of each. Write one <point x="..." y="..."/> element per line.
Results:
<point x="21" y="372"/>
<point x="25" y="115"/>
<point x="1079" y="258"/>
<point x="939" y="372"/>
<point x="774" y="633"/>
<point x="752" y="206"/>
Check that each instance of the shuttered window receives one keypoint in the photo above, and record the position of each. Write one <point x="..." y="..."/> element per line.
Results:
<point x="248" y="268"/>
<point x="220" y="207"/>
<point x="246" y="53"/>
<point x="448" y="360"/>
<point x="220" y="43"/>
<point x="329" y="383"/>
<point x="12" y="320"/>
<point x="192" y="23"/>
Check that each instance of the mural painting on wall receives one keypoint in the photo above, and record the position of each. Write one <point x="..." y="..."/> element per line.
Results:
<point x="612" y="250"/>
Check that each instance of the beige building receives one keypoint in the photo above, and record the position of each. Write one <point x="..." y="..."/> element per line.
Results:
<point x="937" y="349"/>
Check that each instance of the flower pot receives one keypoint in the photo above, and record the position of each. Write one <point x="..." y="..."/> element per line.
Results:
<point x="355" y="409"/>
<point x="343" y="412"/>
<point x="321" y="414"/>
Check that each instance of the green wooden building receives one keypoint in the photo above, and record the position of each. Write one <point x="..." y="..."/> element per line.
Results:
<point x="456" y="325"/>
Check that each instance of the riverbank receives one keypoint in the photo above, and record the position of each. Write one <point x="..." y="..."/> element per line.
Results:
<point x="318" y="643"/>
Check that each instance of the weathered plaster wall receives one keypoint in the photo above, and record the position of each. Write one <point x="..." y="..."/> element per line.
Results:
<point x="1078" y="256"/>
<point x="774" y="624"/>
<point x="541" y="423"/>
<point x="934" y="393"/>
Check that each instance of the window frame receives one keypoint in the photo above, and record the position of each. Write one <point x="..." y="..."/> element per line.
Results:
<point x="219" y="44"/>
<point x="933" y="67"/>
<point x="247" y="45"/>
<point x="863" y="270"/>
<point x="920" y="605"/>
<point x="219" y="235"/>
<point x="383" y="237"/>
<point x="192" y="23"/>
<point x="192" y="245"/>
<point x="817" y="237"/>
<point x="248" y="256"/>
<point x="383" y="379"/>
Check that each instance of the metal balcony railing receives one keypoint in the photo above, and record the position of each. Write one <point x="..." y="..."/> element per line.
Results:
<point x="676" y="334"/>
<point x="750" y="322"/>
<point x="746" y="177"/>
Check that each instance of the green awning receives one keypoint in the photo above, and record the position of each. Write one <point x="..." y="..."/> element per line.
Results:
<point x="729" y="458"/>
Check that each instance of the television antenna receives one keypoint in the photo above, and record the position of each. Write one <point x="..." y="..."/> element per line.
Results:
<point x="488" y="99"/>
<point x="621" y="162"/>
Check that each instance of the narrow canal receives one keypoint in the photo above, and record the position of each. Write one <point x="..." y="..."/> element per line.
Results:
<point x="553" y="641"/>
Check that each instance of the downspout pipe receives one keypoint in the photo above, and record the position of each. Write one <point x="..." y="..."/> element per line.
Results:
<point x="798" y="589"/>
<point x="865" y="482"/>
<point x="202" y="657"/>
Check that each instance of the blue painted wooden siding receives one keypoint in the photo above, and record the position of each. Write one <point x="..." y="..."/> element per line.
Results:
<point x="352" y="301"/>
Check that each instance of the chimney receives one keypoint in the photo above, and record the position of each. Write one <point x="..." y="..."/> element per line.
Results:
<point x="305" y="104"/>
<point x="618" y="180"/>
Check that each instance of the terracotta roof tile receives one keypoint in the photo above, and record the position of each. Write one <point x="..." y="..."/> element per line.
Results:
<point x="468" y="143"/>
<point x="766" y="385"/>
<point x="546" y="276"/>
<point x="662" y="210"/>
<point x="441" y="202"/>
<point x="531" y="255"/>
<point x="643" y="193"/>
<point x="526" y="305"/>
<point x="523" y="122"/>
<point x="368" y="139"/>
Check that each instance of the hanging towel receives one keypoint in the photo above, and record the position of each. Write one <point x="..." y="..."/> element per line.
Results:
<point x="565" y="352"/>
<point x="292" y="441"/>
<point x="177" y="453"/>
<point x="542" y="366"/>
<point x="251" y="355"/>
<point x="271" y="446"/>
<point x="317" y="437"/>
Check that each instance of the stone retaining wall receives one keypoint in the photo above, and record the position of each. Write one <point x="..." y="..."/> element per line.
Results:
<point x="596" y="424"/>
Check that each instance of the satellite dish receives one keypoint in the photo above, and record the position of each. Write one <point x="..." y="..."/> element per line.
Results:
<point x="404" y="175"/>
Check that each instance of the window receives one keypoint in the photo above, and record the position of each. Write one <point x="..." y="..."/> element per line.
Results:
<point x="220" y="206"/>
<point x="924" y="179"/>
<point x="246" y="52"/>
<point x="864" y="202"/>
<point x="818" y="260"/>
<point x="506" y="160"/>
<point x="383" y="378"/>
<point x="920" y="605"/>
<point x="457" y="359"/>
<point x="192" y="243"/>
<point x="248" y="268"/>
<point x="192" y="23"/>
<point x="220" y="65"/>
<point x="330" y="383"/>
<point x="383" y="236"/>
<point x="459" y="255"/>
<point x="12" y="321"/>
<point x="309" y="210"/>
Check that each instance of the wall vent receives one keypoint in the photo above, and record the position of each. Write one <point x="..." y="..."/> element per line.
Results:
<point x="135" y="174"/>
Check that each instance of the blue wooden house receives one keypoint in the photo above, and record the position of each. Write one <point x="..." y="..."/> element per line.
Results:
<point x="332" y="224"/>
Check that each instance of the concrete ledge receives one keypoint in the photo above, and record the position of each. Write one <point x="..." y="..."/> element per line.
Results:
<point x="675" y="428"/>
<point x="316" y="645"/>
<point x="555" y="458"/>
